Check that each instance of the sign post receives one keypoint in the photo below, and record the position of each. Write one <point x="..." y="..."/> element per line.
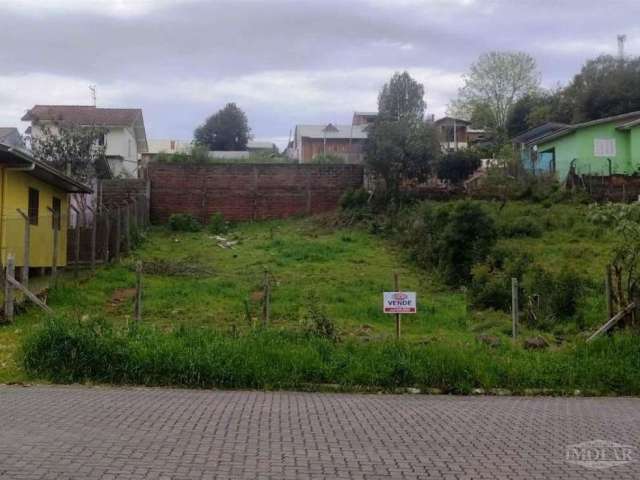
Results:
<point x="398" y="302"/>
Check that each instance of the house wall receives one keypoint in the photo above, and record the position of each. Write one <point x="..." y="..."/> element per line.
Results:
<point x="350" y="150"/>
<point x="247" y="192"/>
<point x="15" y="194"/>
<point x="579" y="145"/>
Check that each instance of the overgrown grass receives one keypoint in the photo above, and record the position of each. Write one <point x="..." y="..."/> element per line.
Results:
<point x="64" y="351"/>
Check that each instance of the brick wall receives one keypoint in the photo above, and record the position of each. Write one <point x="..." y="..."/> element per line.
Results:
<point x="244" y="192"/>
<point x="612" y="188"/>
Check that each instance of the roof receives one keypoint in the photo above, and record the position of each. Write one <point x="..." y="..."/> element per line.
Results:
<point x="88" y="115"/>
<point x="451" y="120"/>
<point x="358" y="132"/>
<point x="626" y="121"/>
<point x="11" y="136"/>
<point x="366" y="114"/>
<point x="538" y="132"/>
<point x="13" y="157"/>
<point x="229" y="154"/>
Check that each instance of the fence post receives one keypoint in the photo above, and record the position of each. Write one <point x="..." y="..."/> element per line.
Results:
<point x="138" y="299"/>
<point x="94" y="233"/>
<point x="515" y="307"/>
<point x="76" y="242"/>
<point x="127" y="233"/>
<point x="396" y="284"/>
<point x="57" y="224"/>
<point x="107" y="233"/>
<point x="27" y="248"/>
<point x="8" y="288"/>
<point x="266" y="299"/>
<point x="135" y="214"/>
<point x="608" y="293"/>
<point x="118" y="232"/>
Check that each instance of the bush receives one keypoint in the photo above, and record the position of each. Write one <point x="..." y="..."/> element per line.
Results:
<point x="489" y="288"/>
<point x="354" y="199"/>
<point x="520" y="227"/>
<point x="451" y="239"/>
<point x="328" y="159"/>
<point x="217" y="224"/>
<point x="183" y="222"/>
<point x="319" y="323"/>
<point x="552" y="297"/>
<point x="458" y="166"/>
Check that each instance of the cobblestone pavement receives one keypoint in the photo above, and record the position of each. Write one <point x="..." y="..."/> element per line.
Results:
<point x="137" y="433"/>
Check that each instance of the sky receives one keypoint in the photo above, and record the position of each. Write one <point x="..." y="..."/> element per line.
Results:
<point x="283" y="62"/>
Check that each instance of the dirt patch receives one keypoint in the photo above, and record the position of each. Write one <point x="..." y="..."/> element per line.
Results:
<point x="175" y="268"/>
<point x="121" y="296"/>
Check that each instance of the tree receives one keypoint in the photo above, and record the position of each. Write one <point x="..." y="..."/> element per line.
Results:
<point x="401" y="149"/>
<point x="458" y="166"/>
<point x="604" y="87"/>
<point x="495" y="82"/>
<point x="77" y="151"/>
<point x="228" y="129"/>
<point x="401" y="97"/>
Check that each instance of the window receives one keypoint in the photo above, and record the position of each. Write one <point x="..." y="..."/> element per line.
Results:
<point x="102" y="140"/>
<point x="34" y="201"/>
<point x="56" y="206"/>
<point x="604" y="147"/>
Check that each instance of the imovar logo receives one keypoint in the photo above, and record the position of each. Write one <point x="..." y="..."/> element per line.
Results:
<point x="600" y="454"/>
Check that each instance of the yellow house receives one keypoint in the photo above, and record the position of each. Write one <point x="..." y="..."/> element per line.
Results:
<point x="35" y="189"/>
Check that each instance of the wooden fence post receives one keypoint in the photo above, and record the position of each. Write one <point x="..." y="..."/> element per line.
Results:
<point x="138" y="300"/>
<point x="94" y="233"/>
<point x="57" y="224"/>
<point x="8" y="288"/>
<point x="134" y="216"/>
<point x="76" y="242"/>
<point x="515" y="307"/>
<point x="266" y="300"/>
<point x="118" y="232"/>
<point x="27" y="248"/>
<point x="396" y="284"/>
<point x="608" y="292"/>
<point x="127" y="232"/>
<point x="107" y="233"/>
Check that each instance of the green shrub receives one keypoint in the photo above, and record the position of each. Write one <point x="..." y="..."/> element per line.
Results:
<point x="452" y="238"/>
<point x="489" y="288"/>
<point x="217" y="224"/>
<point x="183" y="222"/>
<point x="319" y="323"/>
<point x="328" y="159"/>
<point x="521" y="227"/>
<point x="355" y="199"/>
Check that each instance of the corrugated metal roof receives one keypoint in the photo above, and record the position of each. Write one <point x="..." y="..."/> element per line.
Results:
<point x="626" y="120"/>
<point x="340" y="131"/>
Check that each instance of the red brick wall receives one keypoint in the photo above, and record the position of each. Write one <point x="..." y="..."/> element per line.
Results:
<point x="120" y="190"/>
<point x="244" y="192"/>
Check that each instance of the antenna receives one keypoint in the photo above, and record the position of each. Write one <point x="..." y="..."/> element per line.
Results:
<point x="92" y="89"/>
<point x="621" y="40"/>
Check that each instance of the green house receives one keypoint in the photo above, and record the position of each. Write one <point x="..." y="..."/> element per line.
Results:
<point x="600" y="147"/>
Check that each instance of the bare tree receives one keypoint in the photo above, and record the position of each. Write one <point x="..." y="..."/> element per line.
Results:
<point x="495" y="82"/>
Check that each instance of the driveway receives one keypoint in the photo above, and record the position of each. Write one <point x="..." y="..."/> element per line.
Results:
<point x="141" y="433"/>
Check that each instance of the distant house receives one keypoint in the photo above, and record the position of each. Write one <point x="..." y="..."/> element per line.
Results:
<point x="156" y="145"/>
<point x="457" y="134"/>
<point x="264" y="147"/>
<point x="364" y="118"/>
<point x="345" y="141"/>
<point x="524" y="144"/>
<point x="10" y="136"/>
<point x="125" y="137"/>
<point x="606" y="146"/>
<point x="34" y="188"/>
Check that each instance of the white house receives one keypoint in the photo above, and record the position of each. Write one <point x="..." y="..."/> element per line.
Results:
<point x="125" y="137"/>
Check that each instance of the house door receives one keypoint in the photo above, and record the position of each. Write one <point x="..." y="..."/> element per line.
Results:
<point x="547" y="161"/>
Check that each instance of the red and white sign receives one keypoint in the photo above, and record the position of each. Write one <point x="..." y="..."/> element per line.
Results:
<point x="399" y="302"/>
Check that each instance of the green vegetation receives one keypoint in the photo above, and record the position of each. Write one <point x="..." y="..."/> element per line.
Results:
<point x="203" y="303"/>
<point x="183" y="222"/>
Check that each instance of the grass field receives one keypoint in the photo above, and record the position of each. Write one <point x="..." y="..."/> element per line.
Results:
<point x="191" y="281"/>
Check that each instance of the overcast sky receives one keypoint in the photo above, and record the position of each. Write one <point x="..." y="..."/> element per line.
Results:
<point x="283" y="62"/>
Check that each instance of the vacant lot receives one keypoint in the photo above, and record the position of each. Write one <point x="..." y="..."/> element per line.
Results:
<point x="191" y="281"/>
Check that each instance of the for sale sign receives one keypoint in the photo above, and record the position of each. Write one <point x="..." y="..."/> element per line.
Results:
<point x="399" y="302"/>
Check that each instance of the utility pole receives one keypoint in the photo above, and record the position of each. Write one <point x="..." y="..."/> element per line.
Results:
<point x="92" y="89"/>
<point x="621" y="39"/>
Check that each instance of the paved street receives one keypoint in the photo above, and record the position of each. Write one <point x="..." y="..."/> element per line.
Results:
<point x="136" y="433"/>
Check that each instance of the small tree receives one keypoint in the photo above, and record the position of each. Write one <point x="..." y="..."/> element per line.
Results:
<point x="398" y="150"/>
<point x="76" y="151"/>
<point x="401" y="97"/>
<point x="456" y="167"/>
<point x="228" y="129"/>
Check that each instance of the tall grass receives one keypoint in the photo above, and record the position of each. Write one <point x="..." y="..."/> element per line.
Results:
<point x="65" y="351"/>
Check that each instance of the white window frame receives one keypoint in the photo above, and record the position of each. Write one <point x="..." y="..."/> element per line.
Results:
<point x="604" y="147"/>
